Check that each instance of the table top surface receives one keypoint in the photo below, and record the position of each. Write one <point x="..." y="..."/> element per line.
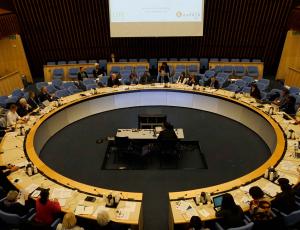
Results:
<point x="144" y="134"/>
<point x="13" y="147"/>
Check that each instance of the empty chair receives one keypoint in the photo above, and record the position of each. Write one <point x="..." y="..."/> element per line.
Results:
<point x="235" y="60"/>
<point x="224" y="59"/>
<point x="209" y="73"/>
<point x="72" y="62"/>
<point x="82" y="62"/>
<point x="194" y="59"/>
<point x="123" y="60"/>
<point x="245" y="60"/>
<point x="163" y="59"/>
<point x="103" y="80"/>
<point x="183" y="59"/>
<point x="143" y="60"/>
<point x="51" y="63"/>
<point x="89" y="72"/>
<point x="246" y="89"/>
<point x="115" y="69"/>
<point x="66" y="85"/>
<point x="14" y="220"/>
<point x="88" y="81"/>
<point x="204" y="63"/>
<point x="292" y="218"/>
<point x="3" y="100"/>
<point x="240" y="83"/>
<point x="222" y="79"/>
<point x="214" y="59"/>
<point x="39" y="85"/>
<point x="193" y="69"/>
<point x="263" y="95"/>
<point x="58" y="74"/>
<point x="61" y="62"/>
<point x="173" y="59"/>
<point x="102" y="63"/>
<point x="294" y="90"/>
<point x="247" y="226"/>
<point x="140" y="68"/>
<point x="17" y="93"/>
<point x="218" y="68"/>
<point x="92" y="61"/>
<point x="128" y="67"/>
<point x="247" y="79"/>
<point x="273" y="92"/>
<point x="57" y="83"/>
<point x="252" y="71"/>
<point x="51" y="89"/>
<point x="74" y="89"/>
<point x="91" y="86"/>
<point x="180" y="68"/>
<point x="73" y="73"/>
<point x="261" y="86"/>
<point x="228" y="69"/>
<point x="153" y="62"/>
<point x="256" y="60"/>
<point x="264" y="81"/>
<point x="239" y="71"/>
<point x="62" y="93"/>
<point x="133" y="60"/>
<point x="232" y="87"/>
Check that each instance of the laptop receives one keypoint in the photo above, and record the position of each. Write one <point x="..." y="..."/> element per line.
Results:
<point x="217" y="200"/>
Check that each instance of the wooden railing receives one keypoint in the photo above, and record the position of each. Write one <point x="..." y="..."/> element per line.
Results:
<point x="10" y="82"/>
<point x="293" y="77"/>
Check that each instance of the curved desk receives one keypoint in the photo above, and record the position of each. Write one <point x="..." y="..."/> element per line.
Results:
<point x="78" y="106"/>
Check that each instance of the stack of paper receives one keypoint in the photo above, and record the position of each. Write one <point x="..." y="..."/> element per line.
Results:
<point x="61" y="193"/>
<point x="122" y="214"/>
<point x="271" y="189"/>
<point x="29" y="189"/>
<point x="84" y="210"/>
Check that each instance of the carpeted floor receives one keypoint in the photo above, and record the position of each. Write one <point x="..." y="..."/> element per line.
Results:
<point x="230" y="150"/>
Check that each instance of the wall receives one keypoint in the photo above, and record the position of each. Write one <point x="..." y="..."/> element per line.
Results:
<point x="290" y="55"/>
<point x="74" y="30"/>
<point x="12" y="57"/>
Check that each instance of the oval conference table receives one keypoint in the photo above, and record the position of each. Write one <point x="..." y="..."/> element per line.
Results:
<point x="21" y="149"/>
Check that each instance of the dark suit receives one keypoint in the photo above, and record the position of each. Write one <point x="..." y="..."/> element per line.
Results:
<point x="97" y="72"/>
<point x="285" y="202"/>
<point x="111" y="82"/>
<point x="44" y="97"/>
<point x="13" y="208"/>
<point x="81" y="75"/>
<point x="214" y="85"/>
<point x="34" y="103"/>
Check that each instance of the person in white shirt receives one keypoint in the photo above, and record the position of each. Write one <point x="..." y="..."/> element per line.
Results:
<point x="69" y="223"/>
<point x="12" y="116"/>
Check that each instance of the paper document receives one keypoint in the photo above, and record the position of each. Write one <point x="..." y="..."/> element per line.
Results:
<point x="203" y="212"/>
<point x="61" y="193"/>
<point x="84" y="210"/>
<point x="122" y="214"/>
<point x="130" y="206"/>
<point x="29" y="189"/>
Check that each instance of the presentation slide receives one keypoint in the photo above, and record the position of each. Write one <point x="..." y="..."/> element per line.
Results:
<point x="156" y="18"/>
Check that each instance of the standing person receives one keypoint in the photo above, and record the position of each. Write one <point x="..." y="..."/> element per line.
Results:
<point x="33" y="100"/>
<point x="81" y="74"/>
<point x="113" y="81"/>
<point x="46" y="210"/>
<point x="164" y="73"/>
<point x="113" y="58"/>
<point x="232" y="215"/>
<point x="98" y="72"/>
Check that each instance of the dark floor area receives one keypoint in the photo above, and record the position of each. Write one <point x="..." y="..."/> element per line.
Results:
<point x="229" y="148"/>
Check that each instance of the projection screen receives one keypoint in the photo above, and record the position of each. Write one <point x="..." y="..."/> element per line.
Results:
<point x="156" y="18"/>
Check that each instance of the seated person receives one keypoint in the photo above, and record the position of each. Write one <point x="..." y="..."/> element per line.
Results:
<point x="11" y="204"/>
<point x="69" y="223"/>
<point x="289" y="105"/>
<point x="104" y="222"/>
<point x="183" y="78"/>
<point x="33" y="101"/>
<point x="168" y="134"/>
<point x="255" y="92"/>
<point x="113" y="81"/>
<point x="133" y="79"/>
<point x="98" y="71"/>
<point x="260" y="208"/>
<point x="285" y="201"/>
<point x="46" y="210"/>
<point x="282" y="98"/>
<point x="145" y="78"/>
<point x="12" y="117"/>
<point x="212" y="82"/>
<point x="196" y="224"/>
<point x="44" y="95"/>
<point x="192" y="81"/>
<point x="24" y="108"/>
<point x="81" y="74"/>
<point x="5" y="170"/>
<point x="232" y="215"/>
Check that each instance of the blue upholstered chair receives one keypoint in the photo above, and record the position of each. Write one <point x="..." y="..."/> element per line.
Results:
<point x="40" y="85"/>
<point x="62" y="93"/>
<point x="58" y="74"/>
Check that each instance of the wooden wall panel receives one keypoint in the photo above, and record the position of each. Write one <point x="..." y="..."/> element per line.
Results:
<point x="73" y="30"/>
<point x="12" y="57"/>
<point x="8" y="25"/>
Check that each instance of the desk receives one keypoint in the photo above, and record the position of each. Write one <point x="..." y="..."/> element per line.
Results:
<point x="259" y="65"/>
<point x="48" y="70"/>
<point x="293" y="77"/>
<point x="123" y="64"/>
<point x="75" y="107"/>
<point x="144" y="134"/>
<point x="10" y="82"/>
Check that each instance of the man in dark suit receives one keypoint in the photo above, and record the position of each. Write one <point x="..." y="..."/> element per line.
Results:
<point x="168" y="134"/>
<point x="113" y="81"/>
<point x="11" y="205"/>
<point x="81" y="74"/>
<point x="44" y="95"/>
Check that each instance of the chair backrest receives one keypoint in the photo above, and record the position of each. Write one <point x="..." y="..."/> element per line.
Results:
<point x="173" y="59"/>
<point x="72" y="62"/>
<point x="89" y="70"/>
<point x="227" y="69"/>
<point x="57" y="83"/>
<point x="209" y="73"/>
<point x="218" y="68"/>
<point x="123" y="60"/>
<point x="239" y="69"/>
<point x="62" y="93"/>
<point x="247" y="79"/>
<point x="261" y="86"/>
<point x="193" y="68"/>
<point x="256" y="60"/>
<point x="294" y="90"/>
<point x="224" y="59"/>
<point x="264" y="81"/>
<point x="133" y="60"/>
<point x="292" y="219"/>
<point x="104" y="80"/>
<point x="248" y="226"/>
<point x="194" y="59"/>
<point x="183" y="59"/>
<point x="214" y="59"/>
<point x="252" y="69"/>
<point x="90" y="86"/>
<point x="235" y="60"/>
<point x="103" y="63"/>
<point x="82" y="62"/>
<point x="61" y="62"/>
<point x="51" y="89"/>
<point x="12" y="219"/>
<point x="92" y="61"/>
<point x="232" y="88"/>
<point x="128" y="67"/>
<point x="245" y="60"/>
<point x="51" y="63"/>
<point x="240" y="83"/>
<point x="88" y="81"/>
<point x="143" y="60"/>
<point x="67" y="84"/>
<point x="73" y="71"/>
<point x="115" y="69"/>
<point x="17" y="93"/>
<point x="73" y="89"/>
<point x="39" y="85"/>
<point x="246" y="89"/>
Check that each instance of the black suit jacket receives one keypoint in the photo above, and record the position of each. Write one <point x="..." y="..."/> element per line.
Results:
<point x="13" y="208"/>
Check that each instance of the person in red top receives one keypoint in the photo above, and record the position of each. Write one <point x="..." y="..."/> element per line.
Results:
<point x="46" y="210"/>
